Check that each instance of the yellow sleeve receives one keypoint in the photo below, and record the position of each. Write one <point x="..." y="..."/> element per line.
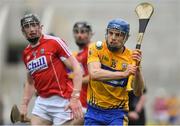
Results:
<point x="92" y="53"/>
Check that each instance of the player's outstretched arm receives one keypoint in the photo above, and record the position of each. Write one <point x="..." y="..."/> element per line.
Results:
<point x="138" y="85"/>
<point x="27" y="95"/>
<point x="97" y="73"/>
<point x="75" y="104"/>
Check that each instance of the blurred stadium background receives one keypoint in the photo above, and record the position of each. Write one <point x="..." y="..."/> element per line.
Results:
<point x="161" y="44"/>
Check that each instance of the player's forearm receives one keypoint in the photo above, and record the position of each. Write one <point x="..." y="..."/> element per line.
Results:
<point x="138" y="85"/>
<point x="77" y="79"/>
<point x="77" y="72"/>
<point x="28" y="93"/>
<point x="100" y="74"/>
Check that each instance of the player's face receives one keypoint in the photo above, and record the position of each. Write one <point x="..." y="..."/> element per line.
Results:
<point x="115" y="38"/>
<point x="32" y="30"/>
<point x="82" y="36"/>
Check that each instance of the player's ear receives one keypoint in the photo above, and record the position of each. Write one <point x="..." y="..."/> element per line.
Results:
<point x="91" y="34"/>
<point x="41" y="26"/>
<point x="126" y="37"/>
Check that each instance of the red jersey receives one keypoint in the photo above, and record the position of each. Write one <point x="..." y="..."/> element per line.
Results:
<point x="48" y="71"/>
<point x="81" y="56"/>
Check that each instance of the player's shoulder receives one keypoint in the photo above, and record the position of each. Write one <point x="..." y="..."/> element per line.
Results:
<point x="55" y="40"/>
<point x="128" y="50"/>
<point x="51" y="38"/>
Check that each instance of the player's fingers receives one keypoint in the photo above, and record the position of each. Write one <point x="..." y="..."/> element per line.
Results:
<point x="133" y="69"/>
<point x="137" y="51"/>
<point x="137" y="56"/>
<point x="26" y="119"/>
<point x="78" y="112"/>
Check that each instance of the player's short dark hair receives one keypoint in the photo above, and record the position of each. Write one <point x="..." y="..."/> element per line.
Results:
<point x="82" y="24"/>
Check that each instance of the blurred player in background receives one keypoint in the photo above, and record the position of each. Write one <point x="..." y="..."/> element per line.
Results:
<point x="109" y="65"/>
<point x="173" y="107"/>
<point x="58" y="96"/>
<point x="82" y="32"/>
<point x="160" y="107"/>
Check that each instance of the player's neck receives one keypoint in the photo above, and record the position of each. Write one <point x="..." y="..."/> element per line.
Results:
<point x="82" y="47"/>
<point x="34" y="45"/>
<point x="121" y="50"/>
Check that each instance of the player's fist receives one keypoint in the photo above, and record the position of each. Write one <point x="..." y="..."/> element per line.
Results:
<point x="133" y="115"/>
<point x="137" y="55"/>
<point x="23" y="110"/>
<point x="131" y="70"/>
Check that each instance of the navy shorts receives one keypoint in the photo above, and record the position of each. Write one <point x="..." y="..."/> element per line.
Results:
<point x="97" y="116"/>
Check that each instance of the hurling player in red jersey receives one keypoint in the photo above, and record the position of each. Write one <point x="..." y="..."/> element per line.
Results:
<point x="58" y="96"/>
<point x="82" y="34"/>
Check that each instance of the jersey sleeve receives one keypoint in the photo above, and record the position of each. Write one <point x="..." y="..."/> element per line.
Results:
<point x="92" y="53"/>
<point x="62" y="48"/>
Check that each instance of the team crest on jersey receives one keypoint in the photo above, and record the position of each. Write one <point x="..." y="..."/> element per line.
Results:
<point x="124" y="66"/>
<point x="42" y="51"/>
<point x="34" y="53"/>
<point x="37" y="64"/>
<point x="105" y="58"/>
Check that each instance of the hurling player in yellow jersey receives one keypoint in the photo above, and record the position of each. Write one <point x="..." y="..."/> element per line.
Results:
<point x="109" y="64"/>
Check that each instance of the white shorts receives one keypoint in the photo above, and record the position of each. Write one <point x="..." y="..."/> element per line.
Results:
<point x="52" y="109"/>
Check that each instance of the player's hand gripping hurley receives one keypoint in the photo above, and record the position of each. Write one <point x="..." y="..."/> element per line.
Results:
<point x="144" y="12"/>
<point x="15" y="116"/>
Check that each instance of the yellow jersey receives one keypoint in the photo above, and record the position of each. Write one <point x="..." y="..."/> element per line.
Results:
<point x="109" y="94"/>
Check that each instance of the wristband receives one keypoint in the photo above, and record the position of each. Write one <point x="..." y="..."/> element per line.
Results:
<point x="76" y="90"/>
<point x="75" y="95"/>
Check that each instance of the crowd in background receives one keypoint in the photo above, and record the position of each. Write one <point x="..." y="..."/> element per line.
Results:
<point x="166" y="108"/>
